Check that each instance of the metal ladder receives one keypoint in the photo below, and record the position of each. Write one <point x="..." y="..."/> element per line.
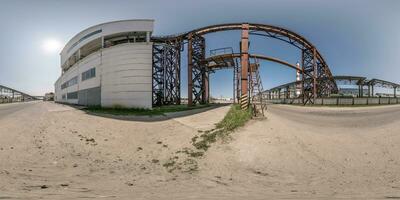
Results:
<point x="257" y="101"/>
<point x="236" y="81"/>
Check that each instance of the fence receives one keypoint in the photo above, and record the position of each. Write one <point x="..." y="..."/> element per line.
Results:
<point x="342" y="101"/>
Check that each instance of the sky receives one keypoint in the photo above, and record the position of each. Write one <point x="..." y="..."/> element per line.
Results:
<point x="356" y="37"/>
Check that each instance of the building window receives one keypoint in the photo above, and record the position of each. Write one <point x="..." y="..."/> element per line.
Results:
<point x="63" y="97"/>
<point x="126" y="37"/>
<point x="72" y="95"/>
<point x="89" y="74"/>
<point x="71" y="82"/>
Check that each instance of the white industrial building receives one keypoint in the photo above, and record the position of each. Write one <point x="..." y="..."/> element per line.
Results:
<point x="108" y="64"/>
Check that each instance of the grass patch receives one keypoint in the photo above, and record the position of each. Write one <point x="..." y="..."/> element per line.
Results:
<point x="169" y="163"/>
<point x="187" y="162"/>
<point x="118" y="110"/>
<point x="191" y="152"/>
<point x="236" y="117"/>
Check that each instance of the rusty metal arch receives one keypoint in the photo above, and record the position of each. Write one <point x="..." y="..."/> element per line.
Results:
<point x="272" y="31"/>
<point x="316" y="75"/>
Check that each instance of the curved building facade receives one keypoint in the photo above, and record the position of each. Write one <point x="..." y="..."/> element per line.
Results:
<point x="108" y="65"/>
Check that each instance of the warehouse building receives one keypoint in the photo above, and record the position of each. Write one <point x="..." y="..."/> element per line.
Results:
<point x="108" y="64"/>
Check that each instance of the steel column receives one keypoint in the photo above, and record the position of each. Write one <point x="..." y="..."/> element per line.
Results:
<point x="369" y="90"/>
<point x="372" y="89"/>
<point x="287" y="92"/>
<point x="315" y="74"/>
<point x="244" y="61"/>
<point x="197" y="71"/>
<point x="166" y="73"/>
<point x="205" y="82"/>
<point x="189" y="71"/>
<point x="302" y="92"/>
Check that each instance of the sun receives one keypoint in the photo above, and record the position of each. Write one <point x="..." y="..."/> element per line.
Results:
<point x="52" y="46"/>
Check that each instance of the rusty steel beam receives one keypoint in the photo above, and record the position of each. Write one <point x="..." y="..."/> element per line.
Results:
<point x="244" y="63"/>
<point x="317" y="79"/>
<point x="268" y="31"/>
<point x="205" y="92"/>
<point x="262" y="57"/>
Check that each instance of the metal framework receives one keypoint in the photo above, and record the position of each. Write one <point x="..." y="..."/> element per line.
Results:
<point x="317" y="80"/>
<point x="166" y="73"/>
<point x="257" y="102"/>
<point x="9" y="95"/>
<point x="197" y="72"/>
<point x="359" y="81"/>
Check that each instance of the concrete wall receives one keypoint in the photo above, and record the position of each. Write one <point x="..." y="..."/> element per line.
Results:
<point x="123" y="77"/>
<point x="91" y="61"/>
<point x="90" y="97"/>
<point x="123" y="72"/>
<point x="74" y="71"/>
<point x="127" y="76"/>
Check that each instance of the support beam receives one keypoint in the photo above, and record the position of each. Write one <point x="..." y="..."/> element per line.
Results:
<point x="234" y="85"/>
<point x="362" y="90"/>
<point x="369" y="90"/>
<point x="244" y="60"/>
<point x="147" y="37"/>
<point x="315" y="74"/>
<point x="236" y="81"/>
<point x="166" y="73"/>
<point x="302" y="79"/>
<point x="196" y="70"/>
<point x="205" y="92"/>
<point x="287" y="92"/>
<point x="189" y="71"/>
<point x="372" y="89"/>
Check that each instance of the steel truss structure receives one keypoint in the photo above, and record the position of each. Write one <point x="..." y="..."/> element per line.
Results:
<point x="9" y="95"/>
<point x="197" y="72"/>
<point x="166" y="73"/>
<point x="288" y="90"/>
<point x="316" y="80"/>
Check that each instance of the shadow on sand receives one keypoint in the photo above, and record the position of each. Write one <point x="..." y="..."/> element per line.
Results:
<point x="150" y="118"/>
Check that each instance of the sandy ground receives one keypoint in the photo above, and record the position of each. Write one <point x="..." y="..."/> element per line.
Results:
<point x="52" y="151"/>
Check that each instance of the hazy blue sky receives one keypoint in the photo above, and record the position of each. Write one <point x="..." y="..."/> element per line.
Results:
<point x="358" y="37"/>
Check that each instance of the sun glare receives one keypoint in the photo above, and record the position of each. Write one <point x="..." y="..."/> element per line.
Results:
<point x="52" y="46"/>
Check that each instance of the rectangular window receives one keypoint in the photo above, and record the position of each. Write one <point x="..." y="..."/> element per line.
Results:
<point x="127" y="37"/>
<point x="63" y="97"/>
<point x="71" y="82"/>
<point x="89" y="74"/>
<point x="72" y="95"/>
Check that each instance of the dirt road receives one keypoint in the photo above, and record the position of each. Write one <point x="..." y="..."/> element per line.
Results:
<point x="53" y="151"/>
<point x="8" y="109"/>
